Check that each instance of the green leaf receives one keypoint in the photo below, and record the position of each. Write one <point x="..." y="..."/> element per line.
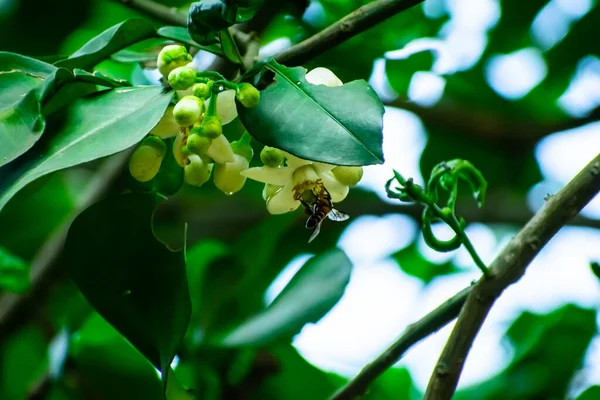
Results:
<point x="14" y="272"/>
<point x="311" y="293"/>
<point x="23" y="83"/>
<point x="134" y="281"/>
<point x="102" y="355"/>
<point x="131" y="56"/>
<point x="595" y="266"/>
<point x="413" y="263"/>
<point x="591" y="393"/>
<point x="337" y="125"/>
<point x="94" y="127"/>
<point x="98" y="79"/>
<point x="181" y="35"/>
<point x="400" y="71"/>
<point x="108" y="42"/>
<point x="229" y="47"/>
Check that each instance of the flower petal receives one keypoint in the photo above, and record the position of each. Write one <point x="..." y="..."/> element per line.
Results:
<point x="322" y="167"/>
<point x="294" y="162"/>
<point x="220" y="150"/>
<point x="282" y="201"/>
<point x="273" y="175"/>
<point x="337" y="190"/>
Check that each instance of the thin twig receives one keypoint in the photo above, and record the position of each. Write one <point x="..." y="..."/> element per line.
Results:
<point x="168" y="15"/>
<point x="427" y="325"/>
<point x="506" y="269"/>
<point x="351" y="25"/>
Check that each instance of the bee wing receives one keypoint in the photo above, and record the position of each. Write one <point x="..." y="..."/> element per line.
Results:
<point x="336" y="215"/>
<point x="315" y="232"/>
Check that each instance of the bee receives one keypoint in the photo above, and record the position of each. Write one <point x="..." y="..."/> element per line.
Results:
<point x="317" y="204"/>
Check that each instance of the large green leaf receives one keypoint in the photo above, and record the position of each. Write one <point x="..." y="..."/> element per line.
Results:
<point x="22" y="83"/>
<point x="134" y="281"/>
<point x="337" y="125"/>
<point x="311" y="293"/>
<point x="14" y="272"/>
<point x="108" y="42"/>
<point x="181" y="35"/>
<point x="94" y="127"/>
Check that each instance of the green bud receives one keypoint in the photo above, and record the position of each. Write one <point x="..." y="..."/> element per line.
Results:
<point x="227" y="176"/>
<point x="188" y="110"/>
<point x="348" y="176"/>
<point x="197" y="172"/>
<point x="242" y="147"/>
<point x="198" y="144"/>
<point x="146" y="159"/>
<point x="171" y="57"/>
<point x="182" y="78"/>
<point x="211" y="127"/>
<point x="248" y="95"/>
<point x="271" y="157"/>
<point x="202" y="90"/>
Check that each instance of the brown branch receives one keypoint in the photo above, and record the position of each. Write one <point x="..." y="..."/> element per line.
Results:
<point x="351" y="25"/>
<point x="506" y="269"/>
<point x="488" y="125"/>
<point x="168" y="15"/>
<point x="414" y="333"/>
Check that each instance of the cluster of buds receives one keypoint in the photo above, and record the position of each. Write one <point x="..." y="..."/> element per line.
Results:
<point x="206" y="103"/>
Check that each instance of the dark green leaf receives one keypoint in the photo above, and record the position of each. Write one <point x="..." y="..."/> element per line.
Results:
<point x="229" y="47"/>
<point x="549" y="349"/>
<point x="595" y="269"/>
<point x="108" y="42"/>
<point x="94" y="127"/>
<point x="103" y="356"/>
<point x="207" y="17"/>
<point x="400" y="72"/>
<point x="591" y="393"/>
<point x="14" y="272"/>
<point x="134" y="281"/>
<point x="311" y="293"/>
<point x="181" y="35"/>
<point x="98" y="79"/>
<point x="23" y="83"/>
<point x="413" y="263"/>
<point x="337" y="125"/>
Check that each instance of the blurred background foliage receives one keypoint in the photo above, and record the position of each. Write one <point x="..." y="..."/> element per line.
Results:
<point x="53" y="346"/>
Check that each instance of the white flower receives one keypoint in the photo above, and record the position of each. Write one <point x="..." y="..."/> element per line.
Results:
<point x="293" y="180"/>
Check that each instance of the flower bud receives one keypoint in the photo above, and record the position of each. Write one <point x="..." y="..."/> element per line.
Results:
<point x="198" y="144"/>
<point x="271" y="157"/>
<point x="211" y="127"/>
<point x="167" y="126"/>
<point x="171" y="57"/>
<point x="188" y="110"/>
<point x="202" y="90"/>
<point x="348" y="176"/>
<point x="248" y="95"/>
<point x="323" y="76"/>
<point x="146" y="159"/>
<point x="220" y="150"/>
<point x="242" y="147"/>
<point x="197" y="173"/>
<point x="227" y="176"/>
<point x="178" y="149"/>
<point x="182" y="78"/>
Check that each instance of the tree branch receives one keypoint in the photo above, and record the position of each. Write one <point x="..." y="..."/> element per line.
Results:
<point x="414" y="333"/>
<point x="506" y="269"/>
<point x="351" y="25"/>
<point x="168" y="15"/>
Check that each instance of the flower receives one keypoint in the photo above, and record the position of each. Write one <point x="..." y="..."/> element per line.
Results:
<point x="293" y="180"/>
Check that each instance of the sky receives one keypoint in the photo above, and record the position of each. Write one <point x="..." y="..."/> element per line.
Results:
<point x="381" y="300"/>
